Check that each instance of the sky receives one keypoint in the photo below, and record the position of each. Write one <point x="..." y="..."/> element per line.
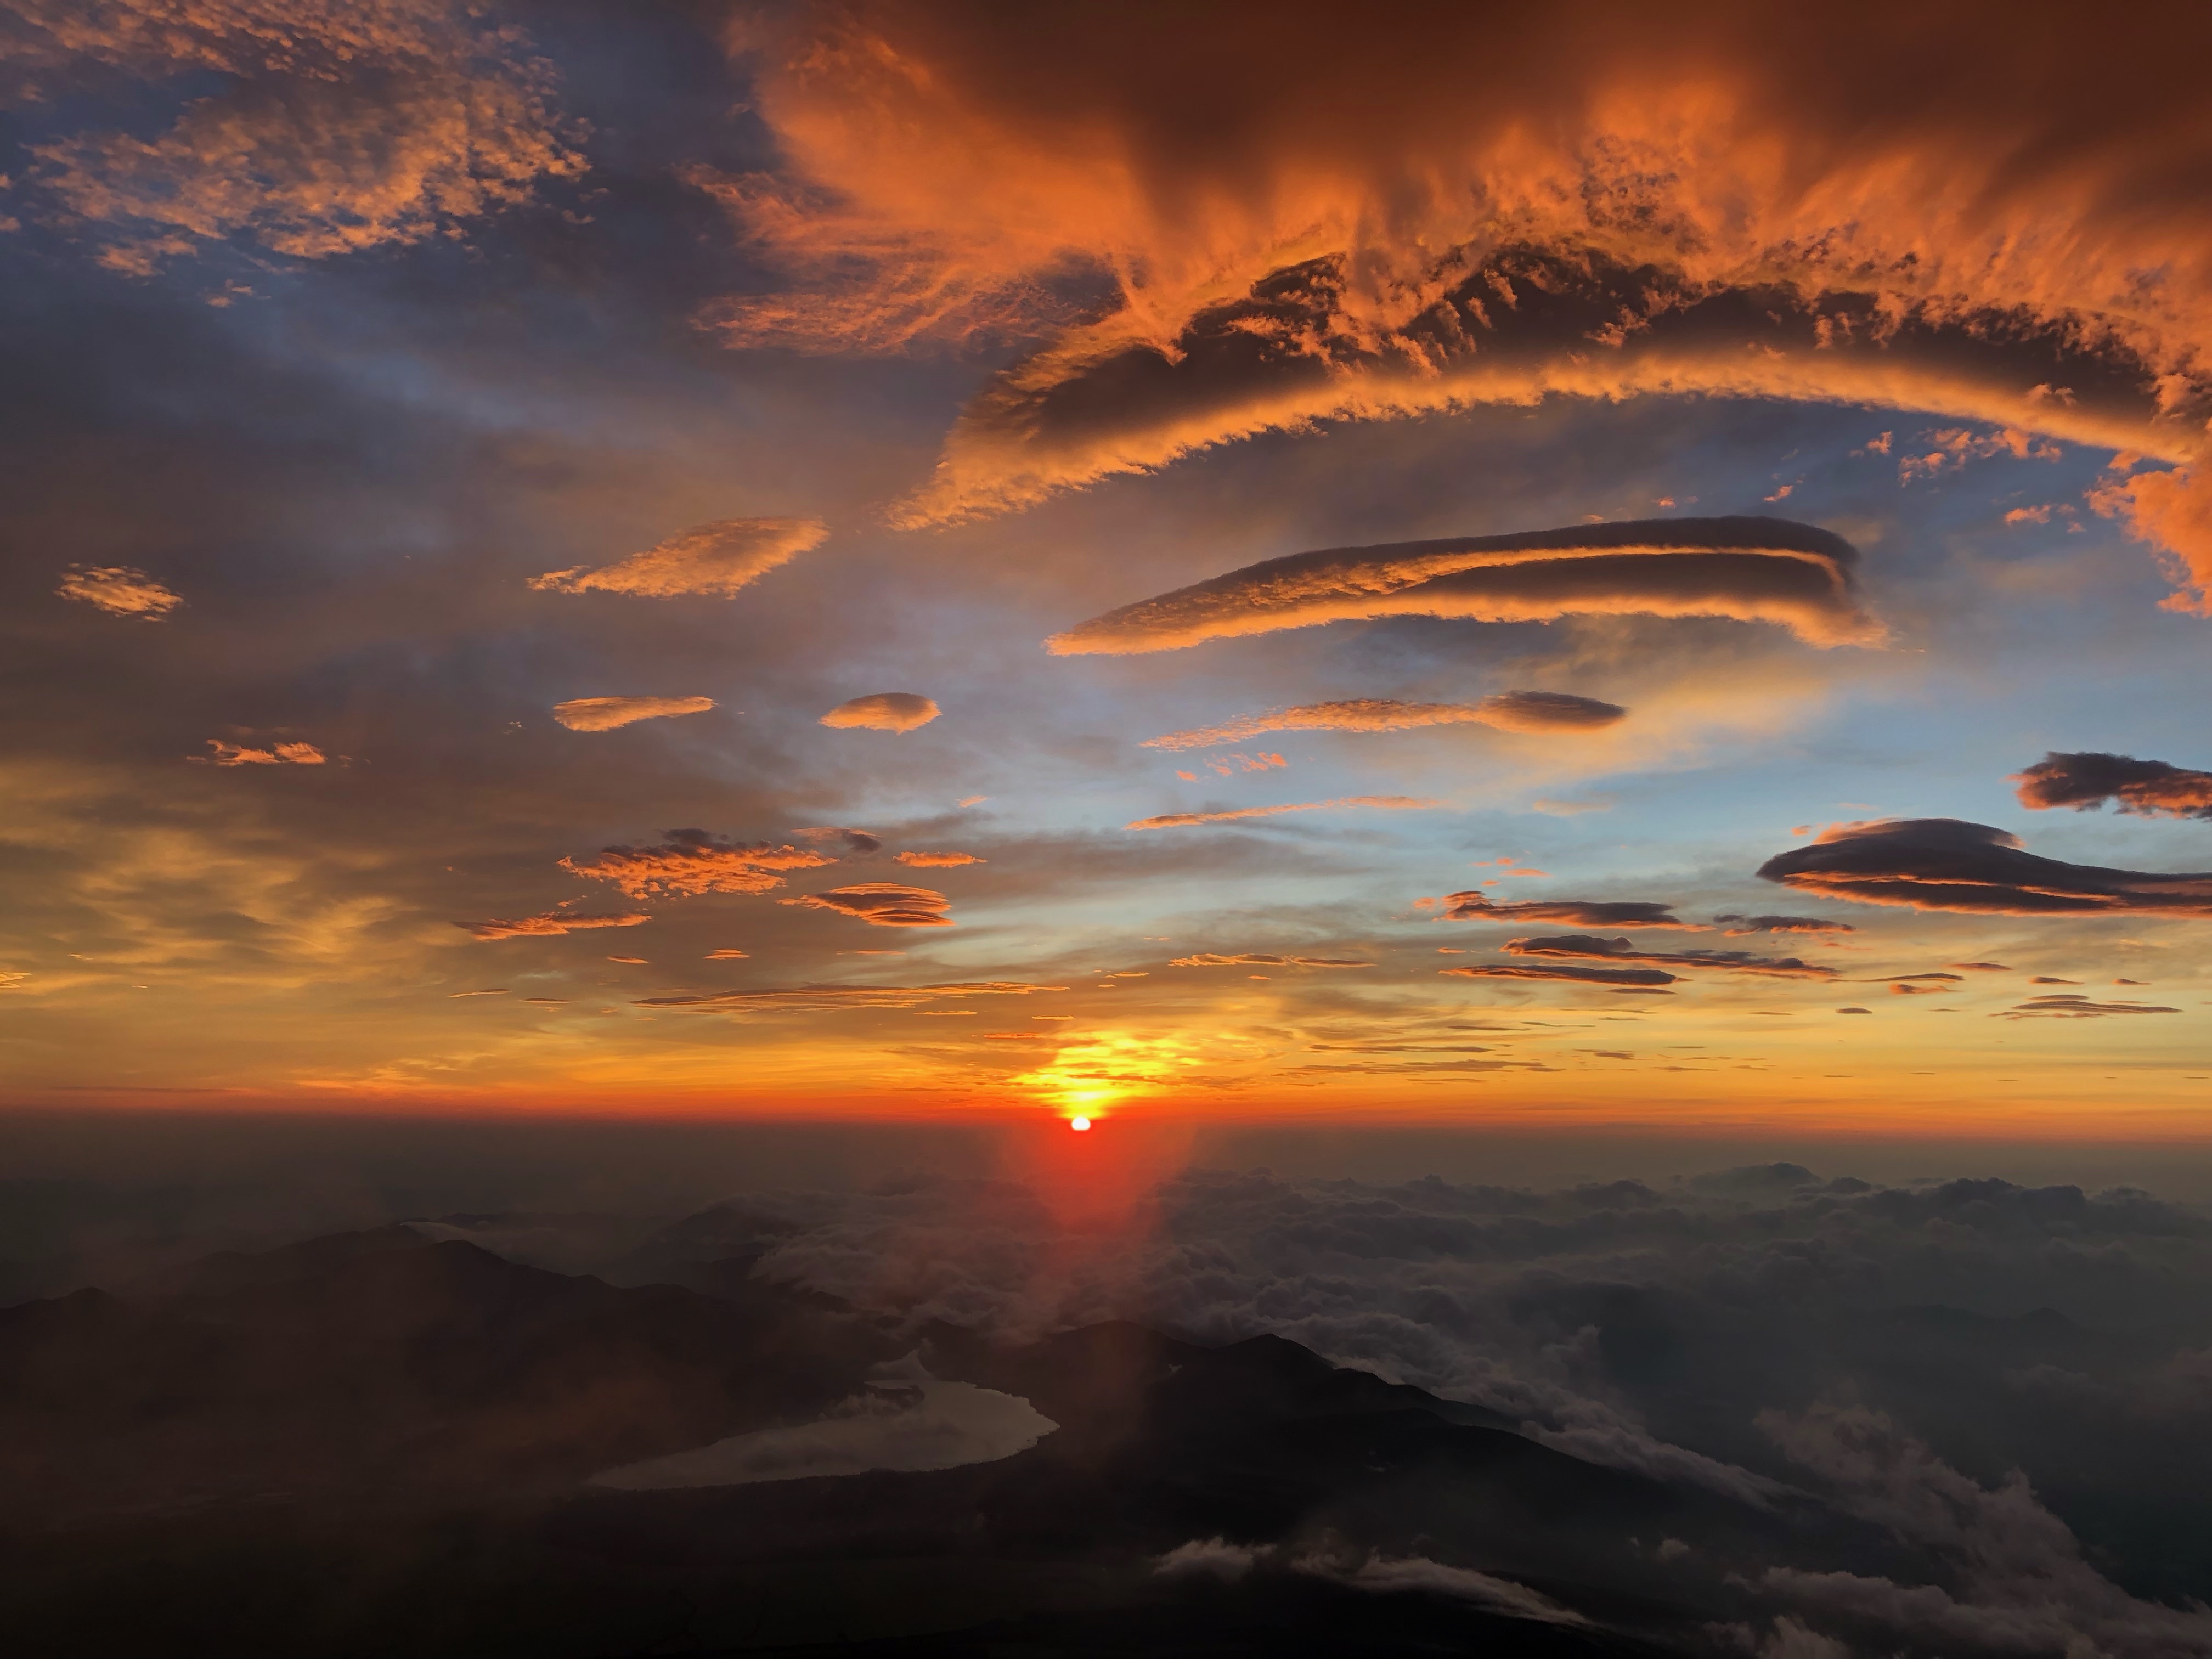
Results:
<point x="863" y="562"/>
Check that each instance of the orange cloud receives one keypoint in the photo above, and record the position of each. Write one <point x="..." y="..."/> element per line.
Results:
<point x="728" y="956"/>
<point x="882" y="904"/>
<point x="716" y="559"/>
<point x="1207" y="959"/>
<point x="1513" y="711"/>
<point x="938" y="861"/>
<point x="607" y="714"/>
<point x="2150" y="787"/>
<point x="1752" y="569"/>
<point x="1954" y="446"/>
<point x="1579" y="201"/>
<point x="282" y="753"/>
<point x="331" y="126"/>
<point x="120" y="590"/>
<point x="550" y="924"/>
<point x="883" y="711"/>
<point x="2171" y="513"/>
<point x="1183" y="820"/>
<point x="691" y="862"/>
<point x="824" y="999"/>
<point x="1943" y="864"/>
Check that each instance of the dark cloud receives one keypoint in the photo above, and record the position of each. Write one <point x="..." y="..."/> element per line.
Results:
<point x="552" y="924"/>
<point x="1511" y="711"/>
<point x="1752" y="569"/>
<point x="714" y="559"/>
<point x="693" y="861"/>
<point x="1477" y="906"/>
<point x="2077" y="1007"/>
<point x="1637" y="976"/>
<point x="1945" y="864"/>
<point x="2085" y="782"/>
<point x="852" y="841"/>
<point x="1744" y="927"/>
<point x="1588" y="945"/>
<point x="277" y="754"/>
<point x="610" y="714"/>
<point x="882" y="904"/>
<point x="883" y="711"/>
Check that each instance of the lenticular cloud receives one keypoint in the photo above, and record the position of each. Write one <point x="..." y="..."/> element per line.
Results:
<point x="1944" y="864"/>
<point x="715" y="559"/>
<point x="611" y="714"/>
<point x="883" y="711"/>
<point x="1752" y="569"/>
<point x="1509" y="711"/>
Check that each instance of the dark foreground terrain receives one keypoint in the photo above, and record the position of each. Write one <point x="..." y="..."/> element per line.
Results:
<point x="375" y="1444"/>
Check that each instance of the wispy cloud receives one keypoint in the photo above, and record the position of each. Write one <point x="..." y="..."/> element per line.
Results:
<point x="1590" y="947"/>
<point x="1514" y="711"/>
<point x="937" y="860"/>
<point x="813" y="998"/>
<point x="693" y="861"/>
<point x="714" y="559"/>
<point x="1474" y="905"/>
<point x="1184" y="820"/>
<point x="551" y="924"/>
<point x="120" y="590"/>
<point x="1207" y="959"/>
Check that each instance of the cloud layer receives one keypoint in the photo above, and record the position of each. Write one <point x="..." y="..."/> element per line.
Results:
<point x="1511" y="711"/>
<point x="2083" y="781"/>
<point x="1590" y="947"/>
<point x="607" y="714"/>
<point x="883" y="711"/>
<point x="692" y="861"/>
<point x="1944" y="864"/>
<point x="824" y="999"/>
<point x="1769" y="571"/>
<point x="715" y="559"/>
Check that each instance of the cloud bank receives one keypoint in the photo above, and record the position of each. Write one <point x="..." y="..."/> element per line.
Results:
<point x="1511" y="711"/>
<point x="2084" y="782"/>
<point x="690" y="862"/>
<point x="1773" y="570"/>
<point x="1944" y="864"/>
<point x="883" y="711"/>
<point x="609" y="714"/>
<point x="1207" y="959"/>
<point x="824" y="999"/>
<point x="1573" y="975"/>
<point x="715" y="559"/>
